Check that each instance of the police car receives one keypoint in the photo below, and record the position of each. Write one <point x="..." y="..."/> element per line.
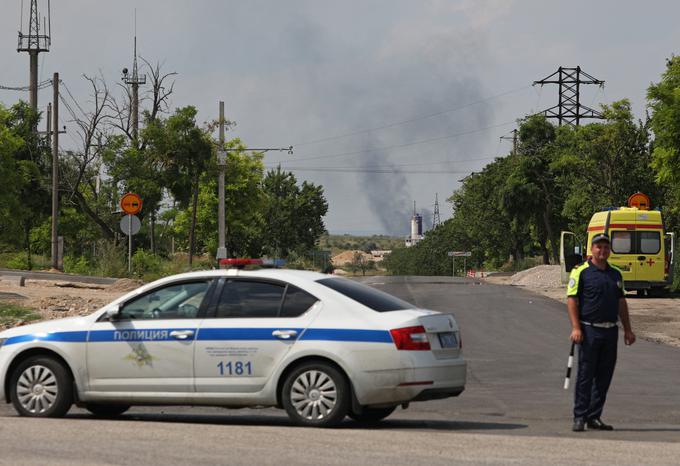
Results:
<point x="319" y="346"/>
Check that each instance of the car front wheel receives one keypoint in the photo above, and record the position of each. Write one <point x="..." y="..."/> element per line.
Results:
<point x="41" y="386"/>
<point x="316" y="394"/>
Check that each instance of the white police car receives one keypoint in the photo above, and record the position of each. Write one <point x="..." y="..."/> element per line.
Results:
<point x="321" y="347"/>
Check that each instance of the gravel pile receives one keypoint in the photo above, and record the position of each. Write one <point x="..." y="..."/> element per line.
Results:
<point x="125" y="284"/>
<point x="542" y="276"/>
<point x="56" y="307"/>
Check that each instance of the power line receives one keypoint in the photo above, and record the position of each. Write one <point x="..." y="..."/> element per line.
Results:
<point x="73" y="98"/>
<point x="368" y="170"/>
<point x="408" y="144"/>
<point x="410" y="120"/>
<point x="41" y="85"/>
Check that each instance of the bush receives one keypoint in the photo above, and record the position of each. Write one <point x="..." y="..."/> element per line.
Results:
<point x="18" y="261"/>
<point x="111" y="260"/>
<point x="144" y="262"/>
<point x="79" y="265"/>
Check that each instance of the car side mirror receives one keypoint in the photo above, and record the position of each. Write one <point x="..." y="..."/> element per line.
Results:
<point x="113" y="312"/>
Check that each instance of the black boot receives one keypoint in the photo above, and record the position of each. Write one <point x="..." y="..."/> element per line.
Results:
<point x="597" y="424"/>
<point x="579" y="425"/>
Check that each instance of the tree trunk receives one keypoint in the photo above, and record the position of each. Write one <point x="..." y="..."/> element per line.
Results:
<point x="27" y="233"/>
<point x="152" y="220"/>
<point x="192" y="231"/>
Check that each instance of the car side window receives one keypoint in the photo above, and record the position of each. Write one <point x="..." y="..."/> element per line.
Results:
<point x="296" y="302"/>
<point x="176" y="301"/>
<point x="246" y="298"/>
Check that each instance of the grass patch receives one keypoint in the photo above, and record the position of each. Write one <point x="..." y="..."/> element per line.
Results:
<point x="13" y="314"/>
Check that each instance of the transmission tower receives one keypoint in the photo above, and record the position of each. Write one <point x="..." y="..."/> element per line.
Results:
<point x="37" y="40"/>
<point x="436" y="219"/>
<point x="569" y="108"/>
<point x="134" y="80"/>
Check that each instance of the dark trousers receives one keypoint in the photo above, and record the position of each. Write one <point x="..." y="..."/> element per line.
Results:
<point x="596" y="361"/>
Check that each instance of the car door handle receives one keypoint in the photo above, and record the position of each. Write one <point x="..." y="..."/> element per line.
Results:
<point x="182" y="334"/>
<point x="284" y="334"/>
<point x="641" y="258"/>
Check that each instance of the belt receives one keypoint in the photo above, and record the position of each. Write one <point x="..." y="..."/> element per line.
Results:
<point x="600" y="324"/>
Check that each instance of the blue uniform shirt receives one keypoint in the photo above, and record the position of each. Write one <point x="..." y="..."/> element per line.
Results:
<point x="598" y="292"/>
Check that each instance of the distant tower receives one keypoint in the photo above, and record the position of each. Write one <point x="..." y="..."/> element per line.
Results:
<point x="416" y="228"/>
<point x="135" y="80"/>
<point x="34" y="42"/>
<point x="436" y="219"/>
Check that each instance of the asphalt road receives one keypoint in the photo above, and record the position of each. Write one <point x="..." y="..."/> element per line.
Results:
<point x="514" y="409"/>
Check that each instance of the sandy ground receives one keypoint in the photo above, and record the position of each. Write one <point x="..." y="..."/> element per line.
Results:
<point x="653" y="319"/>
<point x="57" y="299"/>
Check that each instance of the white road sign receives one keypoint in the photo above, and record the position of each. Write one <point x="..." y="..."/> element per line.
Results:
<point x="459" y="253"/>
<point x="130" y="223"/>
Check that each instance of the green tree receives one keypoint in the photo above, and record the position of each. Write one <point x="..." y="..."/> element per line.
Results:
<point x="293" y="215"/>
<point x="183" y="152"/>
<point x="664" y="101"/>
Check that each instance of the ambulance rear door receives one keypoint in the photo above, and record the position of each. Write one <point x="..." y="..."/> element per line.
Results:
<point x="650" y="255"/>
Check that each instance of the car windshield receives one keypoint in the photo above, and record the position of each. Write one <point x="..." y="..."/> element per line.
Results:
<point x="370" y="297"/>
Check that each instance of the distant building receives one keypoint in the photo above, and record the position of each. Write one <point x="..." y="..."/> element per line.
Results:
<point x="416" y="228"/>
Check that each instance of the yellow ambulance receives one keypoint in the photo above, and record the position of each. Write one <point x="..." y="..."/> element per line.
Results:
<point x="640" y="246"/>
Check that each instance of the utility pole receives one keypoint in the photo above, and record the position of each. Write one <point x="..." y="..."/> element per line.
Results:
<point x="569" y="108"/>
<point x="55" y="170"/>
<point x="222" y="252"/>
<point x="34" y="42"/>
<point x="436" y="219"/>
<point x="514" y="140"/>
<point x="222" y="162"/>
<point x="135" y="80"/>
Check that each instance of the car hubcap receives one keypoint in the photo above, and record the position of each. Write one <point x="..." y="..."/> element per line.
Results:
<point x="37" y="389"/>
<point x="313" y="395"/>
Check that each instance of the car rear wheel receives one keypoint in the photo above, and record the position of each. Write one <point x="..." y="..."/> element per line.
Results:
<point x="101" y="410"/>
<point x="316" y="394"/>
<point x="372" y="415"/>
<point x="41" y="387"/>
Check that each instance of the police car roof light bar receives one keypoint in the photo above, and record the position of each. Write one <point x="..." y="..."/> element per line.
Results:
<point x="239" y="263"/>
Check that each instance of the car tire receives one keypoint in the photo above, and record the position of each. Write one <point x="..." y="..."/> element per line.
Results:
<point x="372" y="415"/>
<point x="106" y="411"/>
<point x="41" y="386"/>
<point x="316" y="394"/>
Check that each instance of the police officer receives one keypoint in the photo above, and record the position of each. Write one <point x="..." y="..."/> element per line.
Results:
<point x="595" y="302"/>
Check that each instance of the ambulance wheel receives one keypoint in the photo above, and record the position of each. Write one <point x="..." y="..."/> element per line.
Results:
<point x="41" y="386"/>
<point x="372" y="415"/>
<point x="106" y="411"/>
<point x="316" y="394"/>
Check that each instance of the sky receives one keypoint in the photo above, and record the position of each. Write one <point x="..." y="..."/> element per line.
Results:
<point x="386" y="102"/>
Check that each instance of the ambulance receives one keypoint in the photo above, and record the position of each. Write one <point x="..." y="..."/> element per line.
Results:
<point x="640" y="246"/>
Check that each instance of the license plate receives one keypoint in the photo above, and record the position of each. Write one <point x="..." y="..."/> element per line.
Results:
<point x="448" y="340"/>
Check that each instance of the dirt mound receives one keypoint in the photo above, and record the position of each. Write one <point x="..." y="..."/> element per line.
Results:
<point x="55" y="307"/>
<point x="542" y="276"/>
<point x="347" y="257"/>
<point x="125" y="284"/>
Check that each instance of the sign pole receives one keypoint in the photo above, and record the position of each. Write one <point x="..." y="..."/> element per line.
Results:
<point x="129" y="244"/>
<point x="453" y="266"/>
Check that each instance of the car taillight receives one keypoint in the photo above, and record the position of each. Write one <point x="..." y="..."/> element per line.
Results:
<point x="410" y="338"/>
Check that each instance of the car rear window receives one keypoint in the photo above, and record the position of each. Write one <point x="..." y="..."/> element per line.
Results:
<point x="370" y="297"/>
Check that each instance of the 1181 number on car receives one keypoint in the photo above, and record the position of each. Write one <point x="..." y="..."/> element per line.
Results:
<point x="235" y="368"/>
